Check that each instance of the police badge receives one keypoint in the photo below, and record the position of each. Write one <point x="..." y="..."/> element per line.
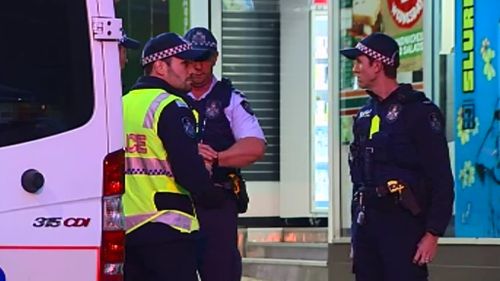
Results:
<point x="212" y="109"/>
<point x="199" y="39"/>
<point x="393" y="112"/>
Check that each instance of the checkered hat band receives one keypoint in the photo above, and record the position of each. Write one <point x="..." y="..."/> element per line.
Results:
<point x="166" y="53"/>
<point x="205" y="44"/>
<point x="374" y="54"/>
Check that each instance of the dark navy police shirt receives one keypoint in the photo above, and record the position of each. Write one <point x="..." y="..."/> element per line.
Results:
<point x="410" y="146"/>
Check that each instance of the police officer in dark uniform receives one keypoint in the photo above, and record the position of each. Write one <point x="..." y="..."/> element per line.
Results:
<point x="400" y="169"/>
<point x="164" y="170"/>
<point x="124" y="44"/>
<point x="230" y="138"/>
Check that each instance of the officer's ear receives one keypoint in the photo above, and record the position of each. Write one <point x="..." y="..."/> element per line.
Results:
<point x="214" y="57"/>
<point x="378" y="66"/>
<point x="160" y="66"/>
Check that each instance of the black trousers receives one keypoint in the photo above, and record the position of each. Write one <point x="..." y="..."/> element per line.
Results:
<point x="219" y="258"/>
<point x="157" y="252"/>
<point x="385" y="245"/>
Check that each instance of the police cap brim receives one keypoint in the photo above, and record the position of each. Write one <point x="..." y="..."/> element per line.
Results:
<point x="130" y="43"/>
<point x="351" y="53"/>
<point x="194" y="55"/>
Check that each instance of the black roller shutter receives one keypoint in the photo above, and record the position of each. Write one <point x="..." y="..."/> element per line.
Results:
<point x="251" y="59"/>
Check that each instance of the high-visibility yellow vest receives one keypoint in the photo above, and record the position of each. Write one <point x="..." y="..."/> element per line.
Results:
<point x="147" y="170"/>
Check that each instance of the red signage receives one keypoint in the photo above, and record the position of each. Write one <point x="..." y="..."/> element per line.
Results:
<point x="320" y="2"/>
<point x="406" y="13"/>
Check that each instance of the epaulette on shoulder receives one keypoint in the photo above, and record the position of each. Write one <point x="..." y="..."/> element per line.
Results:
<point x="411" y="97"/>
<point x="229" y="83"/>
<point x="239" y="93"/>
<point x="181" y="103"/>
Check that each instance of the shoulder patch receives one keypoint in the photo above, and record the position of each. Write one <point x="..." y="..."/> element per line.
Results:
<point x="181" y="103"/>
<point x="189" y="127"/>
<point x="246" y="106"/>
<point x="435" y="122"/>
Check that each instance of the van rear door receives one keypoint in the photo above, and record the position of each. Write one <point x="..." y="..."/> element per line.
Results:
<point x="58" y="121"/>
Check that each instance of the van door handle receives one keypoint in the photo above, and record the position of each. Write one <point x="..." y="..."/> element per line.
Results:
<point x="32" y="180"/>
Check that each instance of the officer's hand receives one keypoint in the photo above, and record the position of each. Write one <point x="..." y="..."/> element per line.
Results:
<point x="212" y="198"/>
<point x="426" y="249"/>
<point x="207" y="152"/>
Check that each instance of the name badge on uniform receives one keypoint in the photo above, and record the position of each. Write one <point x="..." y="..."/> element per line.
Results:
<point x="364" y="113"/>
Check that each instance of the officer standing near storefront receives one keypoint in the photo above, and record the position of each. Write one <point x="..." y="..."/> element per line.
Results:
<point x="125" y="44"/>
<point x="230" y="138"/>
<point x="400" y="169"/>
<point x="163" y="168"/>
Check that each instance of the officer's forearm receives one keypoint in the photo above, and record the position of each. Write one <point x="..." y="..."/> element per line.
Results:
<point x="243" y="153"/>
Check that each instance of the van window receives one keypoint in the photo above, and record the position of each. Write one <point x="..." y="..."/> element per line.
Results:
<point x="45" y="69"/>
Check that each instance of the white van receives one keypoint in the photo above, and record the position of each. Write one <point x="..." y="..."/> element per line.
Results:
<point x="61" y="139"/>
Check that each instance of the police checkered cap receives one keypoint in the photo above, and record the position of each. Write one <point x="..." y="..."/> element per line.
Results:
<point x="166" y="53"/>
<point x="375" y="55"/>
<point x="129" y="43"/>
<point x="201" y="38"/>
<point x="377" y="46"/>
<point x="167" y="45"/>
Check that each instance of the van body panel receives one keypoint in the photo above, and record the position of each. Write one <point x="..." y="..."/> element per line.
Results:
<point x="55" y="234"/>
<point x="113" y="90"/>
<point x="49" y="264"/>
<point x="73" y="223"/>
<point x="111" y="87"/>
<point x="71" y="164"/>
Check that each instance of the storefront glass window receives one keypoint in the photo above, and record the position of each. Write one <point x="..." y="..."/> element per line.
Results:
<point x="319" y="102"/>
<point x="477" y="114"/>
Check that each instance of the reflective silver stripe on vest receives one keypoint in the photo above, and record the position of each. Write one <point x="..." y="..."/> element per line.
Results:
<point x="147" y="166"/>
<point x="169" y="218"/>
<point x="150" y="114"/>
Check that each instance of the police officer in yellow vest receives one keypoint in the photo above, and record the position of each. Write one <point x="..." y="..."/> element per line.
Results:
<point x="163" y="168"/>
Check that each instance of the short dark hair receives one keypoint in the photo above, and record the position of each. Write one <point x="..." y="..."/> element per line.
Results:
<point x="148" y="68"/>
<point x="389" y="71"/>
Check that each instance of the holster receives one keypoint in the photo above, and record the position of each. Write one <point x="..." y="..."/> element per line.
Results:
<point x="239" y="189"/>
<point x="405" y="195"/>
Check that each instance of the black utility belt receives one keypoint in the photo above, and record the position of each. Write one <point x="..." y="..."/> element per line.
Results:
<point x="224" y="185"/>
<point x="231" y="181"/>
<point x="394" y="191"/>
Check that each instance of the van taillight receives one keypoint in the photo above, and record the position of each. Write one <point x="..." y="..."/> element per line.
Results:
<point x="114" y="177"/>
<point x="113" y="224"/>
